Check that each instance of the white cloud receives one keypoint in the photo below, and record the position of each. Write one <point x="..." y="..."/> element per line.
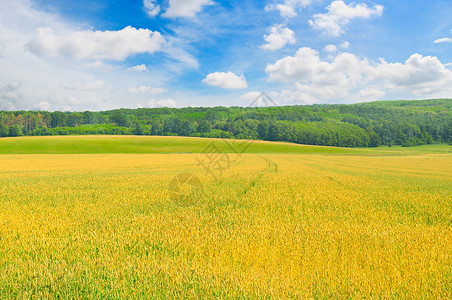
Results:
<point x="12" y="95"/>
<point x="330" y="48"/>
<point x="146" y="89"/>
<point x="349" y="76"/>
<point x="45" y="106"/>
<point x="296" y="96"/>
<point x="63" y="103"/>
<point x="140" y="89"/>
<point x="417" y="71"/>
<point x="43" y="78"/>
<point x="167" y="103"/>
<point x="306" y="66"/>
<point x="151" y="8"/>
<point x="288" y="8"/>
<point x="443" y="40"/>
<point x="12" y="91"/>
<point x="250" y="96"/>
<point x="175" y="46"/>
<point x="162" y="103"/>
<point x="86" y="86"/>
<point x="227" y="80"/>
<point x="345" y="45"/>
<point x="340" y="14"/>
<point x="1" y="50"/>
<point x="74" y="101"/>
<point x="156" y="91"/>
<point x="97" y="65"/>
<point x="185" y="8"/>
<point x="139" y="68"/>
<point x="97" y="45"/>
<point x="279" y="36"/>
<point x="370" y="94"/>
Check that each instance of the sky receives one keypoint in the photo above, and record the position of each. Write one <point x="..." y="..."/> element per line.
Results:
<point x="98" y="55"/>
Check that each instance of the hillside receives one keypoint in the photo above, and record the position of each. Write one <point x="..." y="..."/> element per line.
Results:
<point x="371" y="124"/>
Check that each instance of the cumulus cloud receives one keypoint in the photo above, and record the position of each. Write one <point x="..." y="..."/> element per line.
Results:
<point x="347" y="75"/>
<point x="227" y="80"/>
<point x="330" y="48"/>
<point x="12" y="91"/>
<point x="45" y="106"/>
<point x="340" y="14"/>
<point x="63" y="103"/>
<point x="417" y="72"/>
<point x="333" y="48"/>
<point x="146" y="89"/>
<point x="306" y="66"/>
<point x="279" y="36"/>
<point x="139" y="68"/>
<point x="250" y="96"/>
<point x="370" y="94"/>
<point x="1" y="49"/>
<point x="97" y="65"/>
<point x="162" y="103"/>
<point x="43" y="78"/>
<point x="185" y="8"/>
<point x="151" y="8"/>
<point x="345" y="45"/>
<point x="288" y="8"/>
<point x="11" y="94"/>
<point x="96" y="45"/>
<point x="86" y="86"/>
<point x="443" y="40"/>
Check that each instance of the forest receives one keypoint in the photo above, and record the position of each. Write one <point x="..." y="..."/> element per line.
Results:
<point x="370" y="124"/>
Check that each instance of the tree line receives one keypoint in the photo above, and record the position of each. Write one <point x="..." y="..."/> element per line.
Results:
<point x="406" y="123"/>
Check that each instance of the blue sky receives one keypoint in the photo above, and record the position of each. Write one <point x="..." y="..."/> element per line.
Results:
<point x="78" y="55"/>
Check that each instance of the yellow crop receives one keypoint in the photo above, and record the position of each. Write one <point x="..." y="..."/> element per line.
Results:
<point x="274" y="225"/>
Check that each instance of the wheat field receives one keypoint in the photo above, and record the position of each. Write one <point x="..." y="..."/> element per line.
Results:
<point x="271" y="226"/>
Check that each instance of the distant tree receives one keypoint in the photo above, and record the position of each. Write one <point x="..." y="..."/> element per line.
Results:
<point x="119" y="119"/>
<point x="204" y="126"/>
<point x="4" y="130"/>
<point x="356" y="125"/>
<point x="57" y="119"/>
<point x="273" y="131"/>
<point x="211" y="116"/>
<point x="187" y="128"/>
<point x="15" y="130"/>
<point x="262" y="129"/>
<point x="172" y="126"/>
<point x="238" y="127"/>
<point x="74" y="119"/>
<point x="252" y="124"/>
<point x="374" y="139"/>
<point x="157" y="127"/>
<point x="138" y="130"/>
<point x="89" y="117"/>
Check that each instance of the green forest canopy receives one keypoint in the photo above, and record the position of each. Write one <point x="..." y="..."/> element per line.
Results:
<point x="370" y="124"/>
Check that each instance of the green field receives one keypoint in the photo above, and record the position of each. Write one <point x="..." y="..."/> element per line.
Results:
<point x="101" y="144"/>
<point x="109" y="217"/>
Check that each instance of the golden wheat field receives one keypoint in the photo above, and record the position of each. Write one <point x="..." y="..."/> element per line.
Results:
<point x="272" y="226"/>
